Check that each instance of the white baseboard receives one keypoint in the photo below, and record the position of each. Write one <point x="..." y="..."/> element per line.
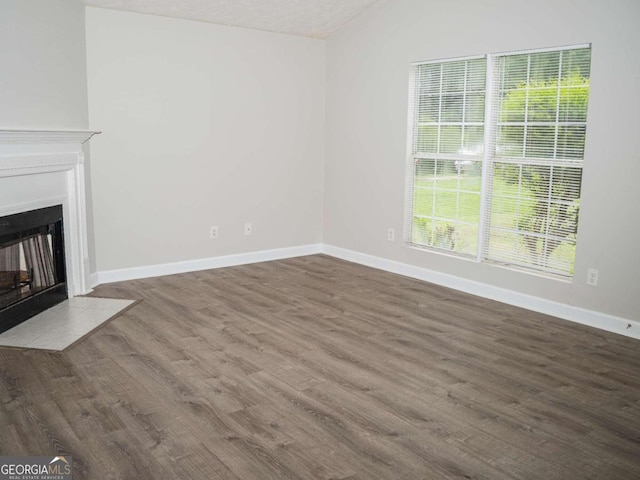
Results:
<point x="603" y="321"/>
<point x="94" y="280"/>
<point x="110" y="276"/>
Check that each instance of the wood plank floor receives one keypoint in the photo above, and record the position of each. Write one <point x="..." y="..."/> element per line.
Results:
<point x="317" y="368"/>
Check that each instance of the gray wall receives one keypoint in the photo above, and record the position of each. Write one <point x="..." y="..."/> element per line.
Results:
<point x="366" y="132"/>
<point x="42" y="52"/>
<point x="203" y="125"/>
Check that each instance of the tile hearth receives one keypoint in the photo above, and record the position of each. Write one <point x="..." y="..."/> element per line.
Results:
<point x="64" y="324"/>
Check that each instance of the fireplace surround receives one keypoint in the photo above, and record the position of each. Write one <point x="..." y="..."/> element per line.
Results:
<point x="44" y="171"/>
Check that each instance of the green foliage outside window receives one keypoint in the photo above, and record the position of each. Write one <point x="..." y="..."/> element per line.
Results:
<point x="550" y="195"/>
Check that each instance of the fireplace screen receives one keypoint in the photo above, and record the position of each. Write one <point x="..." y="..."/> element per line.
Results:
<point x="32" y="267"/>
<point x="26" y="267"/>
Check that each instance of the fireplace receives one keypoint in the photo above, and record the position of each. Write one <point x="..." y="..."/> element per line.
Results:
<point x="43" y="258"/>
<point x="32" y="264"/>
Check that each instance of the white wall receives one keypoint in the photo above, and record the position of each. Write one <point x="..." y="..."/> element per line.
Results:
<point x="366" y="132"/>
<point x="42" y="62"/>
<point x="43" y="76"/>
<point x="203" y="125"/>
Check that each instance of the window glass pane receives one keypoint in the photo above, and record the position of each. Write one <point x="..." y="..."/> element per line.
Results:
<point x="427" y="141"/>
<point x="550" y="101"/>
<point x="450" y="139"/>
<point x="476" y="76"/>
<point x="540" y="142"/>
<point x="513" y="72"/>
<point x="510" y="141"/>
<point x="473" y="140"/>
<point x="424" y="169"/>
<point x="429" y="79"/>
<point x="453" y="75"/>
<point x="452" y="108"/>
<point x="423" y="205"/>
<point x="470" y="178"/>
<point x="535" y="179"/>
<point x="445" y="104"/>
<point x="513" y="106"/>
<point x="446" y="204"/>
<point x="573" y="103"/>
<point x="534" y="215"/>
<point x="543" y="67"/>
<point x="467" y="239"/>
<point x="571" y="142"/>
<point x="474" y="107"/>
<point x="561" y="257"/>
<point x="565" y="184"/>
<point x="444" y="235"/>
<point x="468" y="203"/>
<point x="429" y="109"/>
<point x="542" y="104"/>
<point x="576" y="66"/>
<point x="421" y="231"/>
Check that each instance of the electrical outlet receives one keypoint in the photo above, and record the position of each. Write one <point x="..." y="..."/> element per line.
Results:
<point x="213" y="232"/>
<point x="391" y="234"/>
<point x="592" y="277"/>
<point x="248" y="229"/>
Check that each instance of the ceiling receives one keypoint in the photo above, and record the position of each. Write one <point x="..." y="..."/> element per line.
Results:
<point x="308" y="18"/>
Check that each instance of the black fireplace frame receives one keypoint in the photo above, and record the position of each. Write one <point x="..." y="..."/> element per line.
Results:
<point x="15" y="227"/>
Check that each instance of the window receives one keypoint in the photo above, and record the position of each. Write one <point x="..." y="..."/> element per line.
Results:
<point x="496" y="156"/>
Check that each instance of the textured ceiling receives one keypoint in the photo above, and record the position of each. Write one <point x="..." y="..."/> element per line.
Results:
<point x="309" y="18"/>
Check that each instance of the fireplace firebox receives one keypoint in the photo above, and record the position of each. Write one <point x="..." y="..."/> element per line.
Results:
<point x="32" y="264"/>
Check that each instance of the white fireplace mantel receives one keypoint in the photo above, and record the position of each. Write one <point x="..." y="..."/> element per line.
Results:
<point x="51" y="137"/>
<point x="56" y="157"/>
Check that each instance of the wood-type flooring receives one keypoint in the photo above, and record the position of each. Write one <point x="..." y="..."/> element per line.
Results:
<point x="316" y="368"/>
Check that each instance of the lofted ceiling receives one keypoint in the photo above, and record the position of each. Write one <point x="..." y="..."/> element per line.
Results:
<point x="308" y="18"/>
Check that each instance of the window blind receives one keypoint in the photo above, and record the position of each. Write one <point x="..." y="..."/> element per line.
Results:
<point x="448" y="130"/>
<point x="496" y="151"/>
<point x="540" y="114"/>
